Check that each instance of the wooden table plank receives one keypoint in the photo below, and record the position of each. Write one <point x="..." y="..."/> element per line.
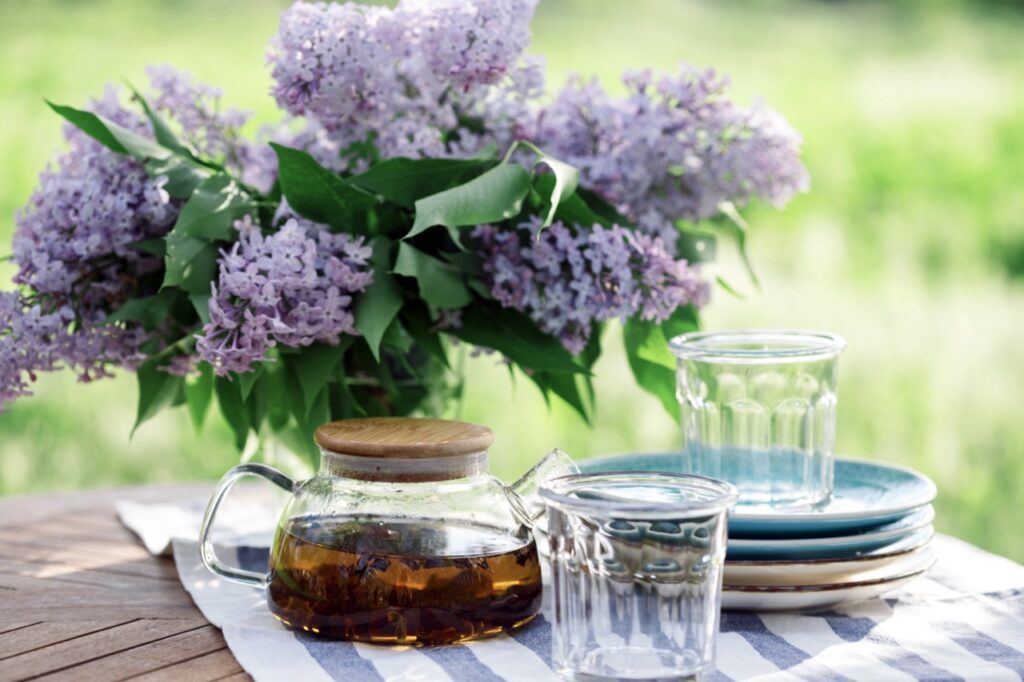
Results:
<point x="145" y="658"/>
<point x="213" y="666"/>
<point x="92" y="646"/>
<point x="30" y="603"/>
<point x="143" y="566"/>
<point x="40" y="635"/>
<point x="83" y="600"/>
<point x="16" y="625"/>
<point x="49" y="538"/>
<point x="74" y="575"/>
<point x="28" y="583"/>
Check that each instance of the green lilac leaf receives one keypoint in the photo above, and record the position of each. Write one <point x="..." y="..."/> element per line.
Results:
<point x="514" y="335"/>
<point x="653" y="346"/>
<point x="148" y="311"/>
<point x="112" y="135"/>
<point x="305" y="419"/>
<point x="682" y="321"/>
<point x="198" y="394"/>
<point x="246" y="380"/>
<point x="277" y="407"/>
<point x="441" y="285"/>
<point x="319" y="414"/>
<point x="566" y="387"/>
<point x="315" y="365"/>
<point x="211" y="211"/>
<point x="157" y="390"/>
<point x="645" y="350"/>
<point x="154" y="247"/>
<point x="416" y="319"/>
<point x="599" y="205"/>
<point x="490" y="197"/>
<point x="572" y="210"/>
<point x="232" y="406"/>
<point x="589" y="356"/>
<point x="404" y="181"/>
<point x="738" y="226"/>
<point x="729" y="288"/>
<point x="161" y="131"/>
<point x="183" y="174"/>
<point x="256" y="399"/>
<point x="696" y="246"/>
<point x="190" y="264"/>
<point x="397" y="337"/>
<point x="318" y="193"/>
<point x="201" y="304"/>
<point x="379" y="304"/>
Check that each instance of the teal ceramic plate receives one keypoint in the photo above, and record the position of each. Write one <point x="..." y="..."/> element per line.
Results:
<point x="833" y="547"/>
<point x="866" y="495"/>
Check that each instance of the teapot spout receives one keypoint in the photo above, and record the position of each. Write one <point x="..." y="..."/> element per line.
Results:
<point x="525" y="493"/>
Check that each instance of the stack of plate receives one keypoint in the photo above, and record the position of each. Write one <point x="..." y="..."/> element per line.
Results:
<point x="871" y="537"/>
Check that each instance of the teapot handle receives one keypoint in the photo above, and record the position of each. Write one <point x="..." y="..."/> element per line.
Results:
<point x="210" y="560"/>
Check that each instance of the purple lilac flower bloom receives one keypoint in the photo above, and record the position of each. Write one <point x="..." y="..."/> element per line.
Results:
<point x="674" y="148"/>
<point x="26" y="343"/>
<point x="568" y="280"/>
<point x="468" y="42"/>
<point x="196" y="110"/>
<point x="429" y="78"/>
<point x="293" y="287"/>
<point x="73" y="242"/>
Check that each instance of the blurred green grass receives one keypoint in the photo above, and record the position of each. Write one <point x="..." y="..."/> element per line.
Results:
<point x="909" y="243"/>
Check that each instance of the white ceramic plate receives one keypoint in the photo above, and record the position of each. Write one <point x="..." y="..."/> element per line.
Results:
<point x="803" y="574"/>
<point x="806" y="598"/>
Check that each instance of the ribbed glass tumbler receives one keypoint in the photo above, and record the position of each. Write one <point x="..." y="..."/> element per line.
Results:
<point x="636" y="574"/>
<point x="758" y="409"/>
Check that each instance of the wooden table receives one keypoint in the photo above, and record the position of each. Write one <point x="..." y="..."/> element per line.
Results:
<point x="81" y="598"/>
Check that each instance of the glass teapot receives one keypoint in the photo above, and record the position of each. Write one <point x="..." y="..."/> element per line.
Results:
<point x="401" y="537"/>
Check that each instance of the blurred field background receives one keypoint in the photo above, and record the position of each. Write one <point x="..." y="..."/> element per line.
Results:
<point x="910" y="244"/>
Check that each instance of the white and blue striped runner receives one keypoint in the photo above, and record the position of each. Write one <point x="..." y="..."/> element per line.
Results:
<point x="963" y="621"/>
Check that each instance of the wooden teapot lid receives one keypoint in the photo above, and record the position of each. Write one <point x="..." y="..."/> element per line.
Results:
<point x="403" y="437"/>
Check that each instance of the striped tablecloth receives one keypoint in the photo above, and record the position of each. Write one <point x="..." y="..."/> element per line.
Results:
<point x="963" y="621"/>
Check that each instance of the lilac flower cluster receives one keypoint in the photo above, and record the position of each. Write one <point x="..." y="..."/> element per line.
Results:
<point x="33" y="340"/>
<point x="567" y="280"/>
<point x="674" y="148"/>
<point x="73" y="242"/>
<point x="292" y="287"/>
<point x="26" y="343"/>
<point x="429" y="78"/>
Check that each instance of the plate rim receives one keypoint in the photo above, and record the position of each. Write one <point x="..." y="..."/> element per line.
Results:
<point x="771" y="602"/>
<point x="828" y="587"/>
<point x="797" y="517"/>
<point x="835" y="540"/>
<point x="804" y="516"/>
<point x="920" y="559"/>
<point x="813" y="562"/>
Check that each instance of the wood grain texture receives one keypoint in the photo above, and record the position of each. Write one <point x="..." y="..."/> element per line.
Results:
<point x="81" y="599"/>
<point x="403" y="437"/>
<point x="212" y="666"/>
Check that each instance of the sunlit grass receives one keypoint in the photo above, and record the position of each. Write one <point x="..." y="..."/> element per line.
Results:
<point x="914" y="125"/>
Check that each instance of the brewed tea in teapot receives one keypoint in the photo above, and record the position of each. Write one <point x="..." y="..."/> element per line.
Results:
<point x="401" y="537"/>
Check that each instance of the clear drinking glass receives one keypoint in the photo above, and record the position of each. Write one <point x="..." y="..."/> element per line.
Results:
<point x="758" y="409"/>
<point x="636" y="575"/>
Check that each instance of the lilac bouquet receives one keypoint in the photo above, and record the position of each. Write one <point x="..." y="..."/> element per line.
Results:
<point x="421" y="191"/>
